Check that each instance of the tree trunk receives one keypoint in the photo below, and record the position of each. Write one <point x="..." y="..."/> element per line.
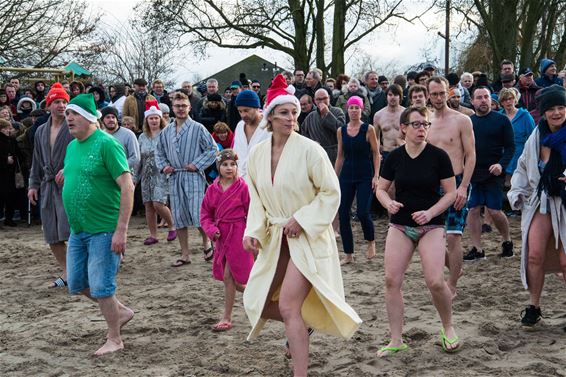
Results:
<point x="529" y="27"/>
<point x="300" y="56"/>
<point x="320" y="35"/>
<point x="338" y="38"/>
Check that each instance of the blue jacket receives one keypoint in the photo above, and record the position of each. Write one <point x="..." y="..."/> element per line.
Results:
<point x="523" y="125"/>
<point x="545" y="81"/>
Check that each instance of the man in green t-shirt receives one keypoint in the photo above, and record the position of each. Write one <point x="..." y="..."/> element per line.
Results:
<point x="98" y="197"/>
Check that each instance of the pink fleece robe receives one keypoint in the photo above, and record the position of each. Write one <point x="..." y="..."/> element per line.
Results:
<point x="226" y="212"/>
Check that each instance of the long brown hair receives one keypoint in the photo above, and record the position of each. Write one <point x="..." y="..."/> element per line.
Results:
<point x="146" y="130"/>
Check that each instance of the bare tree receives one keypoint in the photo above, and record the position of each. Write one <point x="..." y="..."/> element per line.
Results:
<point x="40" y="33"/>
<point x="295" y="27"/>
<point x="523" y="31"/>
<point x="126" y="52"/>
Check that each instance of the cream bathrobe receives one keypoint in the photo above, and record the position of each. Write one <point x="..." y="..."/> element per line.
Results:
<point x="304" y="187"/>
<point x="523" y="196"/>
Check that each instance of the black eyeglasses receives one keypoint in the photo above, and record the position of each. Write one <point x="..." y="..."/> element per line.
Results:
<point x="416" y="125"/>
<point x="255" y="86"/>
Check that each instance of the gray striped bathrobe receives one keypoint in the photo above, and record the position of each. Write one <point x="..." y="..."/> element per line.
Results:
<point x="193" y="144"/>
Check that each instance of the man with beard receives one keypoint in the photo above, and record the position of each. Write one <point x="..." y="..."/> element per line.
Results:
<point x="127" y="138"/>
<point x="134" y="106"/>
<point x="50" y="147"/>
<point x="455" y="103"/>
<point x="495" y="147"/>
<point x="248" y="133"/>
<point x="452" y="132"/>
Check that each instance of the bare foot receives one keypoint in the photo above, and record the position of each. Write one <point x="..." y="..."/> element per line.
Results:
<point x="453" y="291"/>
<point x="370" y="253"/>
<point x="109" y="347"/>
<point x="126" y="315"/>
<point x="347" y="259"/>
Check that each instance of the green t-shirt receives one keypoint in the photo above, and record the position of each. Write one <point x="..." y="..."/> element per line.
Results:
<point x="91" y="195"/>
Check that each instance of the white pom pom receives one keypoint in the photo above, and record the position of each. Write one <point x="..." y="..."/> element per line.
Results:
<point x="290" y="89"/>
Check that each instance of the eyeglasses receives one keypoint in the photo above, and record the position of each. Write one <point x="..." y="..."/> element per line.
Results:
<point x="180" y="106"/>
<point x="321" y="99"/>
<point x="255" y="86"/>
<point x="438" y="94"/>
<point x="416" y="125"/>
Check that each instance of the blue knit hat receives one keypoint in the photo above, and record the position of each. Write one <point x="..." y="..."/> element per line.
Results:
<point x="544" y="64"/>
<point x="248" y="98"/>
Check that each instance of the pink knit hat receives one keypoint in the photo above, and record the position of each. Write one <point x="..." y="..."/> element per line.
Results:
<point x="355" y="100"/>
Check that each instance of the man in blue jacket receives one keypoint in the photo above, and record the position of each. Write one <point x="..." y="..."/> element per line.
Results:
<point x="548" y="74"/>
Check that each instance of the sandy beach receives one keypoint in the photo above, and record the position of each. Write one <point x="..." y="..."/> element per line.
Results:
<point x="50" y="333"/>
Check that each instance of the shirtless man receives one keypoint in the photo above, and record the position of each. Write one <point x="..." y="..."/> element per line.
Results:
<point x="418" y="95"/>
<point x="454" y="103"/>
<point x="248" y="133"/>
<point x="453" y="132"/>
<point x="386" y="121"/>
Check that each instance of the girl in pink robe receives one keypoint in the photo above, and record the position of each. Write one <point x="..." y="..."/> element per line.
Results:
<point x="223" y="217"/>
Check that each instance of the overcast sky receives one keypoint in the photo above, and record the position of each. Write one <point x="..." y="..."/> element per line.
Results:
<point x="402" y="46"/>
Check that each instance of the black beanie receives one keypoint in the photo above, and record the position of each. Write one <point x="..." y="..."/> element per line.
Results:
<point x="109" y="110"/>
<point x="554" y="95"/>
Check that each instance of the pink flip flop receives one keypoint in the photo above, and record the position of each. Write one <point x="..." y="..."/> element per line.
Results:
<point x="172" y="235"/>
<point x="150" y="241"/>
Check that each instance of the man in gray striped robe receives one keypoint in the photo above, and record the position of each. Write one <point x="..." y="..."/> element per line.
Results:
<point x="184" y="150"/>
<point x="50" y="146"/>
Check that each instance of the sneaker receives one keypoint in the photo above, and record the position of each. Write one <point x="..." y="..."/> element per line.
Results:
<point x="474" y="254"/>
<point x="486" y="228"/>
<point x="506" y="249"/>
<point x="531" y="316"/>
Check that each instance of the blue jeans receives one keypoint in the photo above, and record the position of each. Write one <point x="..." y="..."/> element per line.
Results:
<point x="91" y="263"/>
<point x="363" y="201"/>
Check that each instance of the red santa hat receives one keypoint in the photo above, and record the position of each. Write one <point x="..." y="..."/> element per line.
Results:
<point x="56" y="92"/>
<point x="152" y="108"/>
<point x="277" y="94"/>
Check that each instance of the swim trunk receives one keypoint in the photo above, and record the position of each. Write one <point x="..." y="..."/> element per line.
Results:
<point x="488" y="193"/>
<point x="415" y="233"/>
<point x="456" y="220"/>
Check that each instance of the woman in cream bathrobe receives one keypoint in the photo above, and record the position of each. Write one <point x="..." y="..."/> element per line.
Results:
<point x="294" y="196"/>
<point x="543" y="220"/>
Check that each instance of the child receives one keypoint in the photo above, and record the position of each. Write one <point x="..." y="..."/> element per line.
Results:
<point x="223" y="218"/>
<point x="223" y="136"/>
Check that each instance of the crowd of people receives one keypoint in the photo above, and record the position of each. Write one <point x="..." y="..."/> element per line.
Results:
<point x="269" y="182"/>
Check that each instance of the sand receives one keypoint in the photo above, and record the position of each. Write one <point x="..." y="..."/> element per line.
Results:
<point x="50" y="333"/>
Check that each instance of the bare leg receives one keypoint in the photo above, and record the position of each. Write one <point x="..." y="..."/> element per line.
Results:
<point x="294" y="291"/>
<point x="431" y="249"/>
<point x="111" y="312"/>
<point x="474" y="224"/>
<point x="183" y="235"/>
<point x="454" y="258"/>
<point x="540" y="232"/>
<point x="59" y="250"/>
<point x="398" y="252"/>
<point x="370" y="253"/>
<point x="205" y="240"/>
<point x="229" y="294"/>
<point x="501" y="223"/>
<point x="165" y="214"/>
<point x="271" y="308"/>
<point x="126" y="314"/>
<point x="151" y="219"/>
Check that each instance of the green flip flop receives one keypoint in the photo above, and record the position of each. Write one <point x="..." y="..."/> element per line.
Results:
<point x="449" y="342"/>
<point x="393" y="350"/>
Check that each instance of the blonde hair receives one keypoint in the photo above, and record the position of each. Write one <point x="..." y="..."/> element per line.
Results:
<point x="506" y="93"/>
<point x="131" y="120"/>
<point x="221" y="127"/>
